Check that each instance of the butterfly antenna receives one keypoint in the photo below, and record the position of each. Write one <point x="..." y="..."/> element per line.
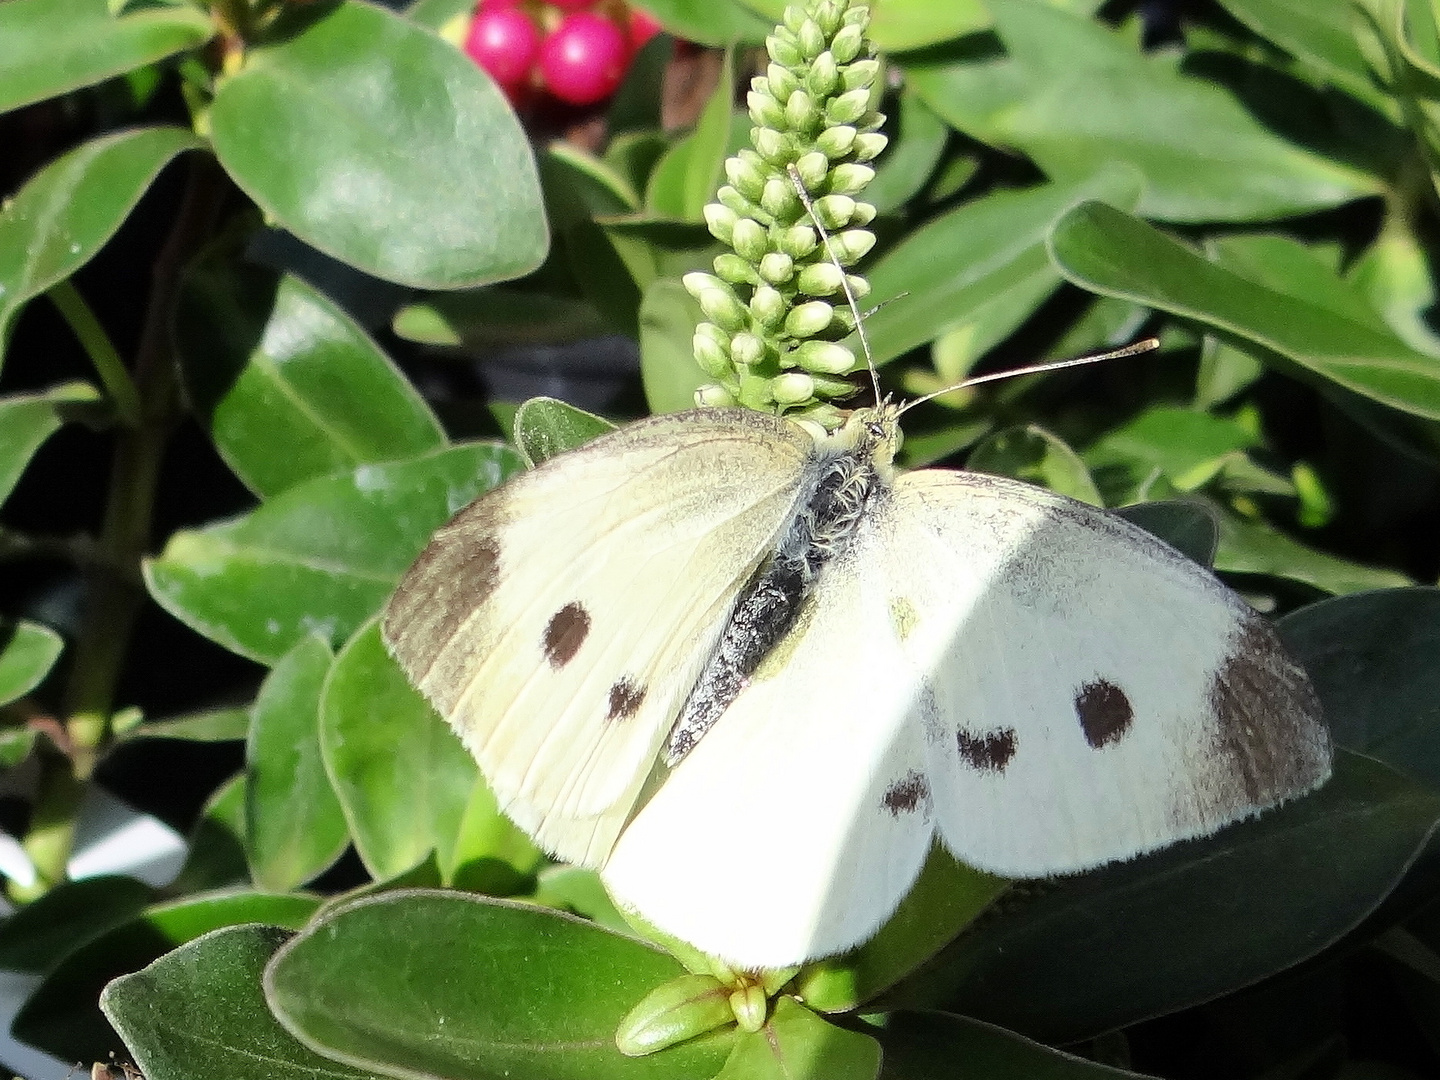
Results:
<point x="1148" y="345"/>
<point x="850" y="300"/>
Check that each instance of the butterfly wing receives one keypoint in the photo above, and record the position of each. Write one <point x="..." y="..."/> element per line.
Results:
<point x="1091" y="693"/>
<point x="558" y="622"/>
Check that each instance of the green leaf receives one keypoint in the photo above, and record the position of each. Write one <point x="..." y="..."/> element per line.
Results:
<point x="490" y="853"/>
<point x="1372" y="658"/>
<point x="910" y="24"/>
<point x="39" y="935"/>
<point x="62" y="1016"/>
<point x="215" y="858"/>
<point x="1393" y="275"/>
<point x="294" y="827"/>
<point x="27" y="420"/>
<point x="455" y="986"/>
<point x="212" y="725"/>
<point x="378" y="143"/>
<point x="495" y="316"/>
<point x="1031" y="453"/>
<point x="28" y="651"/>
<point x="48" y="47"/>
<point x="902" y="171"/>
<point x="795" y="1044"/>
<point x="668" y="317"/>
<point x="923" y="1046"/>
<point x="1319" y="32"/>
<point x="199" y="1011"/>
<point x="1200" y="919"/>
<point x="1109" y="252"/>
<point x="1191" y="528"/>
<point x="321" y="557"/>
<point x="979" y="270"/>
<point x="710" y="22"/>
<point x="1187" y="447"/>
<point x="68" y="210"/>
<point x="708" y="145"/>
<point x="402" y="776"/>
<point x="287" y="385"/>
<point x="1249" y="546"/>
<point x="546" y="426"/>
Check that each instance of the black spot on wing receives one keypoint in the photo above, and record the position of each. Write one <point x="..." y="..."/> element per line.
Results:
<point x="1104" y="711"/>
<point x="565" y="633"/>
<point x="625" y="699"/>
<point x="907" y="795"/>
<point x="989" y="752"/>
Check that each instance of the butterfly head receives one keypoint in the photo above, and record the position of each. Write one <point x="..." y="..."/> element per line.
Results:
<point x="873" y="433"/>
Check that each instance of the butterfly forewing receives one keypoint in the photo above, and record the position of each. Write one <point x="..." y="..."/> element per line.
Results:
<point x="558" y="622"/>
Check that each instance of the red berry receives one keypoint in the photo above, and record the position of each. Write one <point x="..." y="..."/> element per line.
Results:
<point x="584" y="59"/>
<point x="504" y="42"/>
<point x="572" y="5"/>
<point x="643" y="27"/>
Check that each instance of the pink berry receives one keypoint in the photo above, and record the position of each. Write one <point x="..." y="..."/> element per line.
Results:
<point x="584" y="58"/>
<point x="643" y="27"/>
<point x="572" y="5"/>
<point x="504" y="42"/>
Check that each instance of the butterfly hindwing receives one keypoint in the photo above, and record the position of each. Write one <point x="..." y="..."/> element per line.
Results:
<point x="558" y="622"/>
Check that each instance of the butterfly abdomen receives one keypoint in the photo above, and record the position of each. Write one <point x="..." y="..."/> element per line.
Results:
<point x="831" y="505"/>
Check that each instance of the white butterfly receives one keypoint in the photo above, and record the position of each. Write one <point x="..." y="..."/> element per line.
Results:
<point x="751" y="676"/>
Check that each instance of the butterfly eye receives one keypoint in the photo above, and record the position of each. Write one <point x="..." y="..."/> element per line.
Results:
<point x="876" y="430"/>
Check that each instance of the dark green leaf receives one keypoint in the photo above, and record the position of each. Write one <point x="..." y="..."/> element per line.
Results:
<point x="50" y="46"/>
<point x="925" y="1046"/>
<point x="1106" y="251"/>
<point x="216" y="855"/>
<point x="289" y="387"/>
<point x="294" y="827"/>
<point x="910" y="158"/>
<point x="62" y="1016"/>
<point x="795" y="1044"/>
<point x="199" y="1011"/>
<point x="378" y="143"/>
<point x="495" y="316"/>
<point x="321" y="557"/>
<point x="710" y="22"/>
<point x="1319" y="32"/>
<point x="454" y="986"/>
<point x="1189" y="527"/>
<point x="545" y="427"/>
<point x="39" y="935"/>
<point x="668" y="317"/>
<point x="27" y="653"/>
<point x="1372" y="657"/>
<point x="27" y="420"/>
<point x="1249" y="546"/>
<point x="1031" y="453"/>
<point x="402" y="776"/>
<point x="1169" y="930"/>
<point x="68" y="210"/>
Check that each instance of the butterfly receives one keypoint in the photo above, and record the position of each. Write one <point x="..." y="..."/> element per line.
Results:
<point x="753" y="674"/>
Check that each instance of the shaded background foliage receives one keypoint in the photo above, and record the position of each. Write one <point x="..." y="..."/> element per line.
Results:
<point x="327" y="370"/>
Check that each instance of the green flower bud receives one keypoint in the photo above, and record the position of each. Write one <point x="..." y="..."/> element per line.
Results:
<point x="776" y="147"/>
<point x="813" y="169"/>
<point x="847" y="178"/>
<point x="801" y="112"/>
<point x="792" y="388"/>
<point x="864" y="214"/>
<point x="784" y="49"/>
<point x="834" y="211"/>
<point x="811" y="39"/>
<point x="751" y="241"/>
<point x="823" y="357"/>
<point x="765" y="111"/>
<point x="677" y="1010"/>
<point x="779" y="199"/>
<point x="783" y="82"/>
<point x="755" y="392"/>
<point x="829" y="15"/>
<point x="748" y="1005"/>
<point x="746" y="177"/>
<point x="820" y="418"/>
<point x="697" y="282"/>
<point x="847" y="43"/>
<point x="711" y="396"/>
<point x="835" y="142"/>
<point x="710" y="355"/>
<point x="817" y="279"/>
<point x="860" y="75"/>
<point x="848" y="107"/>
<point x="859" y="286"/>
<point x="797" y="241"/>
<point x="830" y="387"/>
<point x="747" y="349"/>
<point x="869" y="145"/>
<point x="808" y="319"/>
<point x="733" y="200"/>
<point x="823" y="78"/>
<point x="734" y="270"/>
<point x="852" y="245"/>
<point x="723" y="309"/>
<point x="794" y="17"/>
<point x="776" y="268"/>
<point x="768" y="307"/>
<point x="721" y="221"/>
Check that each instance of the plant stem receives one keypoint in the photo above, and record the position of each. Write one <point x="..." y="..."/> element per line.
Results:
<point x="100" y="349"/>
<point x="113" y="598"/>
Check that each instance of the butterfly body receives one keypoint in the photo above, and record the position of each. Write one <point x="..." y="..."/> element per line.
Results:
<point x="753" y="676"/>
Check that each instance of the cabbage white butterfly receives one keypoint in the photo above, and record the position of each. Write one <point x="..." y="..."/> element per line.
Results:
<point x="752" y="675"/>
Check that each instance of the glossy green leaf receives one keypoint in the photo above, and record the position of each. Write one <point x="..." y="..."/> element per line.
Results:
<point x="1191" y="528"/>
<point x="709" y="144"/>
<point x="979" y="270"/>
<point x="454" y="986"/>
<point x="402" y="776"/>
<point x="202" y="1003"/>
<point x="38" y="936"/>
<point x="1031" y="453"/>
<point x="215" y="858"/>
<point x="286" y="383"/>
<point x="294" y="827"/>
<point x="545" y="427"/>
<point x="28" y="651"/>
<point x="495" y="316"/>
<point x="378" y="143"/>
<point x="62" y="1016"/>
<point x="321" y="557"/>
<point x="1109" y="252"/>
<point x="1188" y="448"/>
<point x="795" y="1044"/>
<point x="68" y="210"/>
<point x="710" y="22"/>
<point x="48" y="47"/>
<point x="1394" y="277"/>
<point x="1319" y="32"/>
<point x="1372" y="657"/>
<point x="212" y="725"/>
<point x="1102" y="950"/>
<point x="668" y="317"/>
<point x="901" y="172"/>
<point x="970" y="83"/>
<point x="27" y="420"/>
<point x="925" y="1046"/>
<point x="910" y="24"/>
<point x="1249" y="546"/>
<point x="490" y="853"/>
<point x="574" y="888"/>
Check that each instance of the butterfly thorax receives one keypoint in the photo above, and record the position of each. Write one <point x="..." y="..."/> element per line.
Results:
<point x="846" y="473"/>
